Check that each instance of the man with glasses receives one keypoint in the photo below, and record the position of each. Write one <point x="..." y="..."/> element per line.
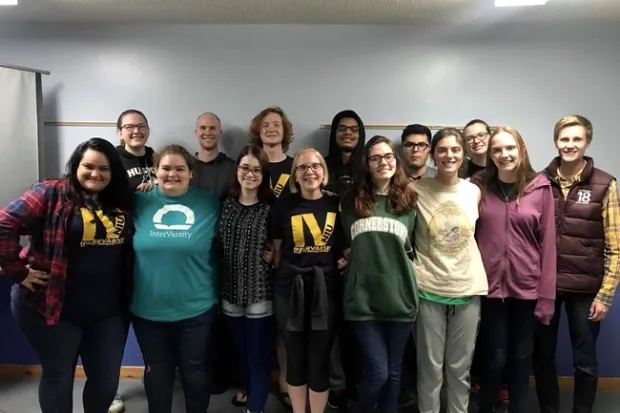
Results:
<point x="346" y="143"/>
<point x="416" y="148"/>
<point x="416" y="141"/>
<point x="476" y="134"/>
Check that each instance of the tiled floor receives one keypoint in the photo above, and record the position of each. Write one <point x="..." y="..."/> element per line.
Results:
<point x="21" y="397"/>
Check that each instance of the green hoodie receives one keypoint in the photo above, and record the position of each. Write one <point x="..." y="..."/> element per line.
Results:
<point x="380" y="283"/>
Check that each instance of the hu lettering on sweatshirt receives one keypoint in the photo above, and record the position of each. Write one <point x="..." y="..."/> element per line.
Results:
<point x="141" y="171"/>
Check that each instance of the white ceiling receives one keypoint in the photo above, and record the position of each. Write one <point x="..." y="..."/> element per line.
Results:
<point x="301" y="11"/>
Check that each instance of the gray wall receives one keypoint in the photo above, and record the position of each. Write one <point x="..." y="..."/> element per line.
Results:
<point x="524" y="76"/>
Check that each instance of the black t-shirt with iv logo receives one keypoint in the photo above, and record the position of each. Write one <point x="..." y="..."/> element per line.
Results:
<point x="96" y="255"/>
<point x="311" y="234"/>
<point x="280" y="173"/>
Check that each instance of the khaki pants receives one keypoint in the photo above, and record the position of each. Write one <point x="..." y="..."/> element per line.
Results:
<point x="446" y="341"/>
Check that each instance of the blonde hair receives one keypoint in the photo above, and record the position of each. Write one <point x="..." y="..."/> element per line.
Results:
<point x="292" y="182"/>
<point x="573" y="120"/>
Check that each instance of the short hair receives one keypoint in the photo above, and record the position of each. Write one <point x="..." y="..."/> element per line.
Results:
<point x="416" y="129"/>
<point x="573" y="120"/>
<point x="476" y="121"/>
<point x="209" y="113"/>
<point x="292" y="183"/>
<point x="174" y="150"/>
<point x="255" y="127"/>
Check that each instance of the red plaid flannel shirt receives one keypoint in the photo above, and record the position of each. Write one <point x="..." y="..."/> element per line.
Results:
<point x="41" y="213"/>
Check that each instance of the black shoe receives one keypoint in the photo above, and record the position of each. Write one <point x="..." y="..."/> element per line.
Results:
<point x="405" y="400"/>
<point x="338" y="400"/>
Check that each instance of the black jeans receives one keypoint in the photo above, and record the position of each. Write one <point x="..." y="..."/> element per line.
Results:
<point x="166" y="345"/>
<point x="508" y="336"/>
<point x="583" y="336"/>
<point x="100" y="344"/>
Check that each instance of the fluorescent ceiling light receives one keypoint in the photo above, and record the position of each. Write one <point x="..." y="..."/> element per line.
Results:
<point x="8" y="2"/>
<point x="519" y="3"/>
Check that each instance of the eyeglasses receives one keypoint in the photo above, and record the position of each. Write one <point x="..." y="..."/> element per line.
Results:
<point x="376" y="159"/>
<point x="344" y="128"/>
<point x="303" y="168"/>
<point x="420" y="146"/>
<point x="246" y="170"/>
<point x="479" y="137"/>
<point x="130" y="128"/>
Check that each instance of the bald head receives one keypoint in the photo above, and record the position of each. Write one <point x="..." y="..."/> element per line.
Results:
<point x="208" y="130"/>
<point x="210" y="115"/>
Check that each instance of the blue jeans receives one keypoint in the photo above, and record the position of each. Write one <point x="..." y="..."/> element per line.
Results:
<point x="166" y="345"/>
<point x="254" y="340"/>
<point x="100" y="344"/>
<point x="383" y="347"/>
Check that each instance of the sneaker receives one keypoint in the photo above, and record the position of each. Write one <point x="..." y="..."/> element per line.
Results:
<point x="117" y="405"/>
<point x="338" y="400"/>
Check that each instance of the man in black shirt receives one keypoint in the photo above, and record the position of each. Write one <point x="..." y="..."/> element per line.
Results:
<point x="346" y="143"/>
<point x="476" y="133"/>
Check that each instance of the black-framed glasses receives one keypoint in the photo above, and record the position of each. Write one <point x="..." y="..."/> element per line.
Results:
<point x="130" y="127"/>
<point x="376" y="159"/>
<point x="479" y="137"/>
<point x="412" y="146"/>
<point x="246" y="170"/>
<point x="303" y="168"/>
<point x="344" y="128"/>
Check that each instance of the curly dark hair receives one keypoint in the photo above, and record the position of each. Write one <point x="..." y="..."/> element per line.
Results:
<point x="255" y="127"/>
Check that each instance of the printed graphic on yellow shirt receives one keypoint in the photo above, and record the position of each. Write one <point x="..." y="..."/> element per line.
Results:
<point x="280" y="184"/>
<point x="307" y="224"/>
<point x="101" y="229"/>
<point x="450" y="231"/>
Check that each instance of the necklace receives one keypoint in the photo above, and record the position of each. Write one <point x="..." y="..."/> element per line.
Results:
<point x="510" y="193"/>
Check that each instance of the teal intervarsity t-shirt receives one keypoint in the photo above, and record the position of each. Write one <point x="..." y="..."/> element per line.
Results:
<point x="175" y="275"/>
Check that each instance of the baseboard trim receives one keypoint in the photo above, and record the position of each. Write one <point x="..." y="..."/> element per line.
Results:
<point x="604" y="383"/>
<point x="131" y="372"/>
<point x="13" y="371"/>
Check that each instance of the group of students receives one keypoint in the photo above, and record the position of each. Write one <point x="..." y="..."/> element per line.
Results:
<point x="361" y="268"/>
